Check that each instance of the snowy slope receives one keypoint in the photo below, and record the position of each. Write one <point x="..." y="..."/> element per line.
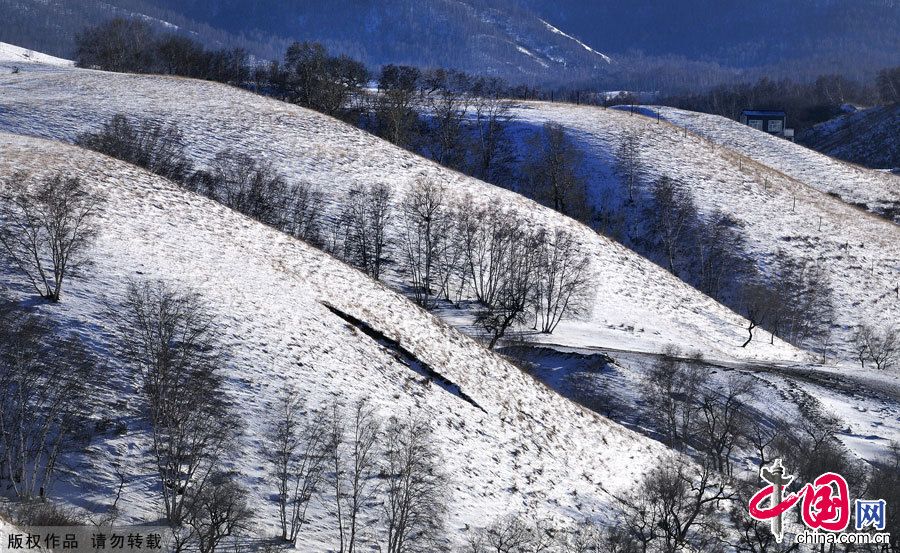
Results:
<point x="860" y="251"/>
<point x="638" y="305"/>
<point x="528" y="447"/>
<point x="857" y="185"/>
<point x="868" y="137"/>
<point x="12" y="57"/>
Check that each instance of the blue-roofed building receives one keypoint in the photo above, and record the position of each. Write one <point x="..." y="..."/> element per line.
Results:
<point x="770" y="121"/>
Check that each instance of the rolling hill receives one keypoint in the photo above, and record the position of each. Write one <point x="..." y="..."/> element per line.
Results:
<point x="779" y="193"/>
<point x="515" y="445"/>
<point x="637" y="306"/>
<point x="288" y="313"/>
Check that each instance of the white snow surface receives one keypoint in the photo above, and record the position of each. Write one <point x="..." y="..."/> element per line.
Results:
<point x="775" y="189"/>
<point x="638" y="306"/>
<point x="12" y="57"/>
<point x="530" y="448"/>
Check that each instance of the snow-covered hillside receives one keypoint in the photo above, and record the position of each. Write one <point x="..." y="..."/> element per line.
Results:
<point x="638" y="305"/>
<point x="780" y="200"/>
<point x="874" y="190"/>
<point x="14" y="58"/>
<point x="524" y="447"/>
<point x="868" y="137"/>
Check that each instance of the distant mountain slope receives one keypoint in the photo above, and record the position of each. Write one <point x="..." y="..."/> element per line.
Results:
<point x="637" y="306"/>
<point x="869" y="137"/>
<point x="484" y="36"/>
<point x="792" y="38"/>
<point x="487" y="37"/>
<point x="652" y="45"/>
<point x="50" y="26"/>
<point x="521" y="447"/>
<point x="775" y="190"/>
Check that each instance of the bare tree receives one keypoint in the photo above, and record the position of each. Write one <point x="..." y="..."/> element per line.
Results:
<point x="415" y="489"/>
<point x="297" y="453"/>
<point x="721" y="423"/>
<point x="424" y="230"/>
<point x="756" y="304"/>
<point x="304" y="213"/>
<point x="517" y="284"/>
<point x="484" y="235"/>
<point x="45" y="401"/>
<point x="880" y="346"/>
<point x="629" y="164"/>
<point x="513" y="533"/>
<point x="353" y="460"/>
<point x="671" y="214"/>
<point x="563" y="280"/>
<point x="396" y="116"/>
<point x="554" y="173"/>
<point x="366" y="217"/>
<point x="217" y="511"/>
<point x="47" y="228"/>
<point x="492" y="149"/>
<point x="168" y="336"/>
<point x="675" y="507"/>
<point x="447" y="101"/>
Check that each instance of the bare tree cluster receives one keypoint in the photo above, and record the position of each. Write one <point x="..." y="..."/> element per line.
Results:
<point x="216" y="511"/>
<point x="370" y="474"/>
<point x="794" y="303"/>
<point x="675" y="507"/>
<point x="425" y="237"/>
<point x="361" y="230"/>
<point x="396" y="105"/>
<point x="712" y="422"/>
<point x="45" y="400"/>
<point x="246" y="185"/>
<point x="47" y="228"/>
<point x="670" y="390"/>
<point x="454" y="250"/>
<point x="314" y="79"/>
<point x="132" y="46"/>
<point x="513" y="533"/>
<point x="235" y="179"/>
<point x="414" y="487"/>
<point x="703" y="251"/>
<point x="880" y="346"/>
<point x="169" y="338"/>
<point x="353" y="461"/>
<point x="156" y="147"/>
